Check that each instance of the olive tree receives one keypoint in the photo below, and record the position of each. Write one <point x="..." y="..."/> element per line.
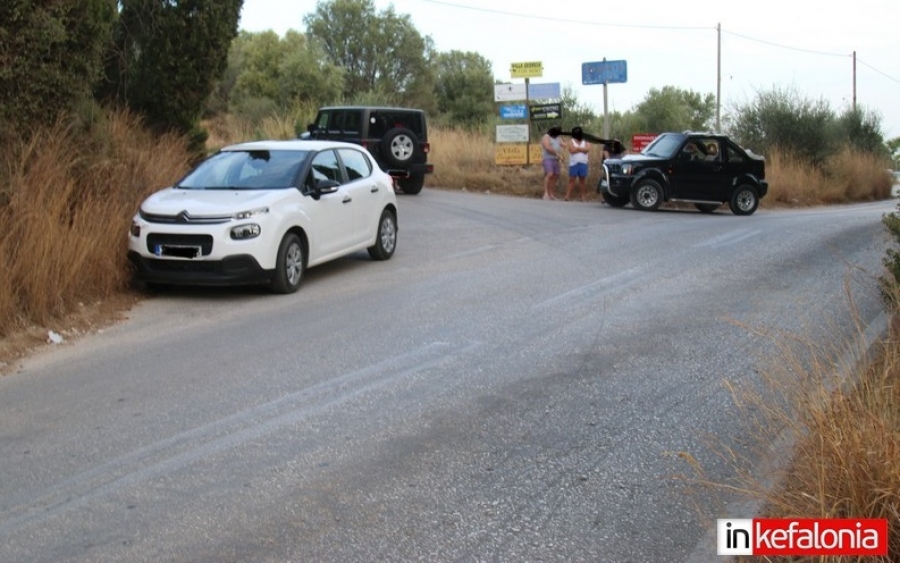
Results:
<point x="379" y="51"/>
<point x="267" y="73"/>
<point x="464" y="87"/>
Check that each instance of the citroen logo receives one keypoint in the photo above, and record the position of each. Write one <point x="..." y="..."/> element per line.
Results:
<point x="183" y="217"/>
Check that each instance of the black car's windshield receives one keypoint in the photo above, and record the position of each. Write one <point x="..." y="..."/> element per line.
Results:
<point x="663" y="146"/>
<point x="246" y="170"/>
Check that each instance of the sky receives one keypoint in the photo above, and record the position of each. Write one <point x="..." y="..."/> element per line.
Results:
<point x="797" y="46"/>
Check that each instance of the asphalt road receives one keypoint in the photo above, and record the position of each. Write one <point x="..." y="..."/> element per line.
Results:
<point x="516" y="384"/>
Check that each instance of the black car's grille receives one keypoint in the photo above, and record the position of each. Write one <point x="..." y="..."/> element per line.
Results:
<point x="614" y="168"/>
<point x="156" y="240"/>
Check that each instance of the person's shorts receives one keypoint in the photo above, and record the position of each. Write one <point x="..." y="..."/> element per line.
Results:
<point x="578" y="170"/>
<point x="551" y="166"/>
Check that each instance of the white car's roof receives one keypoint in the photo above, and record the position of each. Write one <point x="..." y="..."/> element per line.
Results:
<point x="289" y="145"/>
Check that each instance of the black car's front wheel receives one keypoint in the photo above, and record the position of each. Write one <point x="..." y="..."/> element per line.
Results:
<point x="744" y="200"/>
<point x="647" y="195"/>
<point x="289" y="265"/>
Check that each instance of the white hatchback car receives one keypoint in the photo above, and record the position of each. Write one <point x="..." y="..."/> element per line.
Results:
<point x="263" y="212"/>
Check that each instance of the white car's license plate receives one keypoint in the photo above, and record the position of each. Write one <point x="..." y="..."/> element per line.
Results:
<point x="178" y="250"/>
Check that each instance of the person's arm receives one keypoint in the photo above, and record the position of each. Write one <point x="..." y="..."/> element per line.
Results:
<point x="545" y="142"/>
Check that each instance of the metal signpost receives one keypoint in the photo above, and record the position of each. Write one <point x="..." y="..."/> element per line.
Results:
<point x="604" y="72"/>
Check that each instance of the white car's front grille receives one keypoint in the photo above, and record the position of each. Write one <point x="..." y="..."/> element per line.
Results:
<point x="185" y="218"/>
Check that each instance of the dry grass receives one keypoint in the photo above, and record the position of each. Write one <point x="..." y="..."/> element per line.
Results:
<point x="841" y="426"/>
<point x="67" y="203"/>
<point x="847" y="176"/>
<point x="465" y="160"/>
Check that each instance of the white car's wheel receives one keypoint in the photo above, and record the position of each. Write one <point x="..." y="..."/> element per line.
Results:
<point x="385" y="238"/>
<point x="289" y="266"/>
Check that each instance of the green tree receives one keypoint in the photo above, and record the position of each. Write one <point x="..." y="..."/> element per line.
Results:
<point x="464" y="87"/>
<point x="266" y="73"/>
<point x="379" y="52"/>
<point x="783" y="119"/>
<point x="861" y="130"/>
<point x="674" y="109"/>
<point x="50" y="56"/>
<point x="166" y="57"/>
<point x="893" y="148"/>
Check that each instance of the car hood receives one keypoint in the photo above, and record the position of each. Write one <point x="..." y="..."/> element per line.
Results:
<point x="631" y="158"/>
<point x="173" y="201"/>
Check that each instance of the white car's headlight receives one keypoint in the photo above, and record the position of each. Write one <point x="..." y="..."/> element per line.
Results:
<point x="244" y="232"/>
<point x="251" y="213"/>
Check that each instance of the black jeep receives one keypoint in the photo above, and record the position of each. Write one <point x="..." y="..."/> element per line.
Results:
<point x="700" y="168"/>
<point x="396" y="137"/>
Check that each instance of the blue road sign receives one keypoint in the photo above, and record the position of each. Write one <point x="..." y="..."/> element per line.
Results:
<point x="514" y="112"/>
<point x="604" y="72"/>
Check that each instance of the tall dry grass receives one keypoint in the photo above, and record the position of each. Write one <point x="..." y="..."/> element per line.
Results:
<point x="828" y="428"/>
<point x="66" y="207"/>
<point x="465" y="160"/>
<point x="846" y="176"/>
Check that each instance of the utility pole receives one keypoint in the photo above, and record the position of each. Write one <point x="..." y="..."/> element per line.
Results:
<point x="854" y="81"/>
<point x="719" y="80"/>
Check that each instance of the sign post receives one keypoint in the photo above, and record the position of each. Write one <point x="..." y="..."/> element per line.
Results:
<point x="527" y="70"/>
<point x="606" y="73"/>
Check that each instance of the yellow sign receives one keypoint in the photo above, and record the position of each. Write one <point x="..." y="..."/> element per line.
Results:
<point x="533" y="69"/>
<point x="508" y="154"/>
<point x="535" y="155"/>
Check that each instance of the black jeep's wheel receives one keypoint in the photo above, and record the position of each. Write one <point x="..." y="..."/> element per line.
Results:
<point x="289" y="265"/>
<point x="412" y="184"/>
<point x="744" y="201"/>
<point x="647" y="195"/>
<point x="385" y="237"/>
<point x="707" y="207"/>
<point x="400" y="147"/>
<point x="614" y="200"/>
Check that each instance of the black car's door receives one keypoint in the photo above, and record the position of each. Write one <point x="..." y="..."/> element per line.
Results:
<point x="699" y="172"/>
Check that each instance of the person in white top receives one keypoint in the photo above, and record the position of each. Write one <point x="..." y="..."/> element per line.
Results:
<point x="579" y="154"/>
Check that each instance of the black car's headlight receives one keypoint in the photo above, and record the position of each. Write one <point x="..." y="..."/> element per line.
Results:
<point x="627" y="169"/>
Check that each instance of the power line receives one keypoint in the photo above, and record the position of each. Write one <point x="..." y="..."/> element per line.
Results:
<point x="889" y="77"/>
<point x="564" y="20"/>
<point x="779" y="45"/>
<point x="661" y="27"/>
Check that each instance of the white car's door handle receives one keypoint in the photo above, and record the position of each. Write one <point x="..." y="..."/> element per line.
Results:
<point x="347" y="199"/>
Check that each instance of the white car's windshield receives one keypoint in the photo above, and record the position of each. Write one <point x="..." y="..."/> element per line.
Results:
<point x="246" y="170"/>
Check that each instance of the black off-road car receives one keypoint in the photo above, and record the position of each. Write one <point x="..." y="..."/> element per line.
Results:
<point x="396" y="137"/>
<point x="700" y="168"/>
